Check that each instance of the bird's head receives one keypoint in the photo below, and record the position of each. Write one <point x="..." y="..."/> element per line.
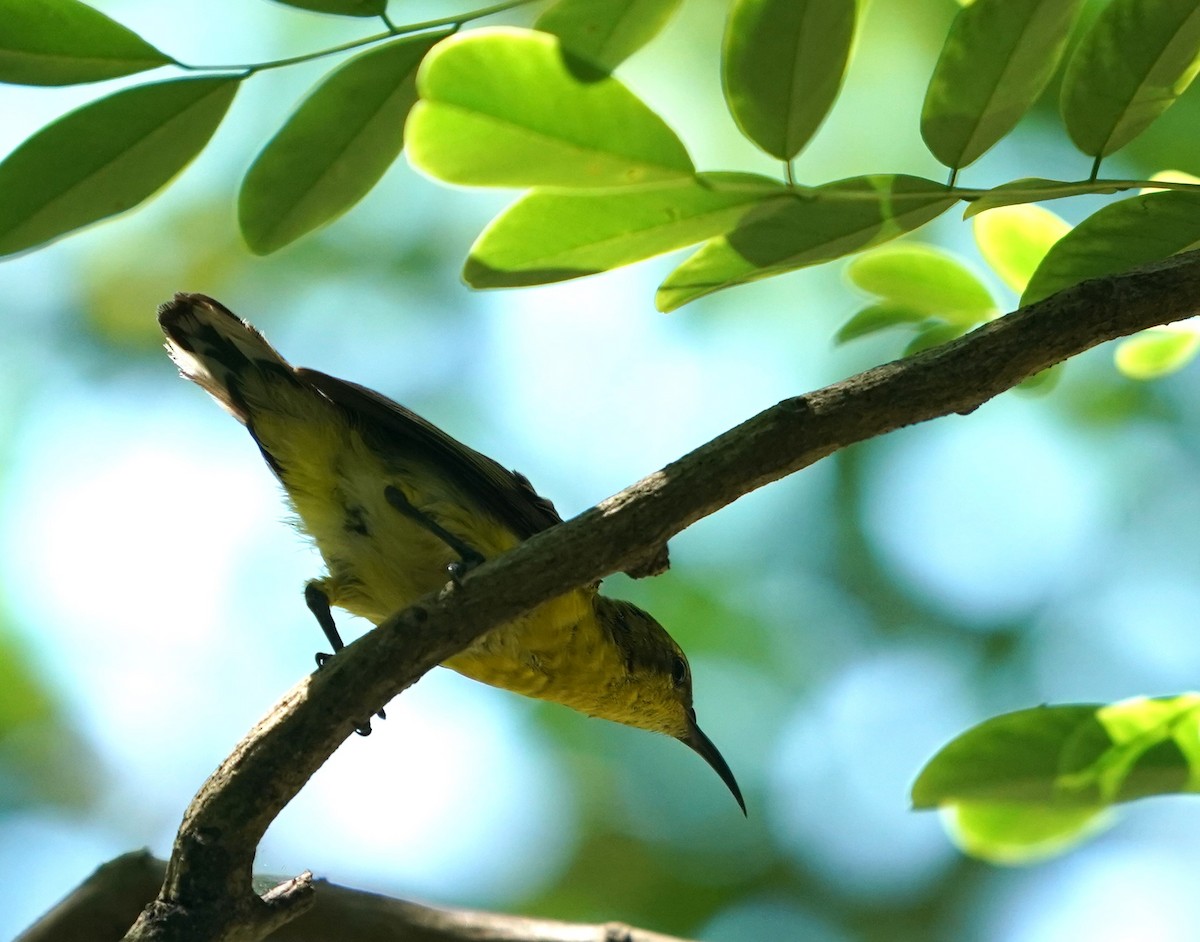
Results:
<point x="656" y="691"/>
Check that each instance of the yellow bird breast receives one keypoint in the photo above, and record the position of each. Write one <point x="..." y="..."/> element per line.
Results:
<point x="380" y="560"/>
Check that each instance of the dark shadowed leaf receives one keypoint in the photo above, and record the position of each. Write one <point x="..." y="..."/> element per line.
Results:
<point x="554" y="235"/>
<point x="44" y="762"/>
<point x="334" y="148"/>
<point x="606" y="32"/>
<point x="510" y="107"/>
<point x="877" y="317"/>
<point x="817" y="225"/>
<point x="1134" y="61"/>
<point x="782" y="67"/>
<point x="340" y="7"/>
<point x="998" y="58"/>
<point x="933" y="334"/>
<point x="106" y="157"/>
<point x="1119" y="237"/>
<point x="64" y="42"/>
<point x="1016" y="757"/>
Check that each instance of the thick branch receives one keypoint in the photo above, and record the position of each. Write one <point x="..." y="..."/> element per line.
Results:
<point x="209" y="874"/>
<point x="101" y="907"/>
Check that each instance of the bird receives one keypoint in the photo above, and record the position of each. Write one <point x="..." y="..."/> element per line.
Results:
<point x="395" y="505"/>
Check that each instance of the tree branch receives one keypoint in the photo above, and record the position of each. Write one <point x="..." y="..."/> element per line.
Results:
<point x="207" y="890"/>
<point x="100" y="909"/>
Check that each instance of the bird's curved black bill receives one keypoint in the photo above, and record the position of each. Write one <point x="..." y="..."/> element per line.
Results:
<point x="703" y="746"/>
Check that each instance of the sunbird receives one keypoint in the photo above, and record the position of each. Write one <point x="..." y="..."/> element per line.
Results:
<point x="394" y="504"/>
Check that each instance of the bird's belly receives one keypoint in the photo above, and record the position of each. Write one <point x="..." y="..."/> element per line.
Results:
<point x="380" y="560"/>
<point x="534" y="653"/>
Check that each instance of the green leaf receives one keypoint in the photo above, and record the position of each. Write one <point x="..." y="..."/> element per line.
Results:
<point x="45" y="761"/>
<point x="933" y="334"/>
<point x="1015" y="757"/>
<point x="340" y="7"/>
<point x="606" y="32"/>
<point x="782" y="66"/>
<point x="510" y="107"/>
<point x="1015" y="239"/>
<point x="1035" y="190"/>
<point x="334" y="148"/>
<point x="1076" y="755"/>
<point x="64" y="42"/>
<point x="549" y="236"/>
<point x="997" y="60"/>
<point x="106" y="157"/>
<point x="1020" y="834"/>
<point x="1118" y="237"/>
<point x="1138" y="747"/>
<point x="1130" y="66"/>
<point x="877" y="317"/>
<point x="1043" y="382"/>
<point x="1028" y="784"/>
<point x="819" y="224"/>
<point x="924" y="278"/>
<point x="1157" y="352"/>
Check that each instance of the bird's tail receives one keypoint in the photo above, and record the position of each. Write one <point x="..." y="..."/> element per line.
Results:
<point x="220" y="352"/>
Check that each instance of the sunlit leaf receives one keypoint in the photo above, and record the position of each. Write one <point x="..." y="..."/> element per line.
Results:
<point x="782" y="67"/>
<point x="554" y="235"/>
<point x="106" y="157"/>
<point x="1118" y="237"/>
<point x="1132" y="750"/>
<point x="64" y="42"/>
<point x="877" y="317"/>
<point x="1020" y="834"/>
<point x="334" y="148"/>
<point x="924" y="278"/>
<point x="340" y="7"/>
<point x="1171" y="176"/>
<point x="997" y="60"/>
<point x="606" y="32"/>
<point x="1137" y="57"/>
<point x="510" y="107"/>
<point x="1014" y="239"/>
<point x="820" y="224"/>
<point x="1157" y="352"/>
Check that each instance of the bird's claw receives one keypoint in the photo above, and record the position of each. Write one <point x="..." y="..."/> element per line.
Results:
<point x="363" y="729"/>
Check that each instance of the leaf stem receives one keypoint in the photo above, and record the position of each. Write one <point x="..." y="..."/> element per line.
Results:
<point x="393" y="30"/>
<point x="252" y="67"/>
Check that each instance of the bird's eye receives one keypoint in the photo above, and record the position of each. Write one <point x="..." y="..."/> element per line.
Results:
<point x="679" y="672"/>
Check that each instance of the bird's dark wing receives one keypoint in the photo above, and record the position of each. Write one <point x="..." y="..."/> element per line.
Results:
<point x="393" y="429"/>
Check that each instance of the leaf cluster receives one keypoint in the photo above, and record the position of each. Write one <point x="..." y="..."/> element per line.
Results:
<point x="608" y="181"/>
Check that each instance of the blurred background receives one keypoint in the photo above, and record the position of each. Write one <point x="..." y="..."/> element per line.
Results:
<point x="842" y="624"/>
